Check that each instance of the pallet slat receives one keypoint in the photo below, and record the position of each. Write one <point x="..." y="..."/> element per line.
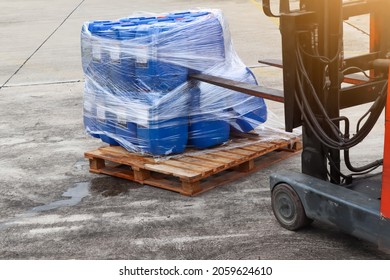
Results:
<point x="213" y="159"/>
<point x="171" y="170"/>
<point x="196" y="161"/>
<point x="188" y="166"/>
<point x="192" y="173"/>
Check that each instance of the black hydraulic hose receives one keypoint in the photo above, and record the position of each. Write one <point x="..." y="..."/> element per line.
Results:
<point x="313" y="123"/>
<point x="311" y="127"/>
<point x="347" y="179"/>
<point x="362" y="133"/>
<point x="360" y="120"/>
<point x="301" y="66"/>
<point x="341" y="141"/>
<point x="344" y="142"/>
<point x="375" y="111"/>
<point x="360" y="168"/>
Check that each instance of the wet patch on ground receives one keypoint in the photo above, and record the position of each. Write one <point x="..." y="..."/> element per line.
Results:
<point x="109" y="186"/>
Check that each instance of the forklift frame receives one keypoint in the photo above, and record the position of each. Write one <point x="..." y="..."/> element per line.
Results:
<point x="313" y="70"/>
<point x="358" y="207"/>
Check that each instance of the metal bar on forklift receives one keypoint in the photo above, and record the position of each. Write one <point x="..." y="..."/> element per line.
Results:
<point x="255" y="90"/>
<point x="358" y="8"/>
<point x="360" y="94"/>
<point x="364" y="62"/>
<point x="272" y="62"/>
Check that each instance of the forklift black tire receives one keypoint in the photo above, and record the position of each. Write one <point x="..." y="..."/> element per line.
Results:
<point x="288" y="208"/>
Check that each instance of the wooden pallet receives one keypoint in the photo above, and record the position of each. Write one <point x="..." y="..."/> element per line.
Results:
<point x="192" y="173"/>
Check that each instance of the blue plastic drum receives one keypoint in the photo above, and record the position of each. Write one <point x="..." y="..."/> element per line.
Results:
<point x="165" y="130"/>
<point x="101" y="69"/>
<point x="163" y="137"/>
<point x="206" y="129"/>
<point x="202" y="37"/>
<point x="125" y="86"/>
<point x="151" y="72"/>
<point x="250" y="113"/>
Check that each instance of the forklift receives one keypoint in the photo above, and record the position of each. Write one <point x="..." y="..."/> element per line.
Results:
<point x="318" y="82"/>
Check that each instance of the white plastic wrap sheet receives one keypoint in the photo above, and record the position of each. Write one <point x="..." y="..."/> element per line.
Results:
<point x="137" y="93"/>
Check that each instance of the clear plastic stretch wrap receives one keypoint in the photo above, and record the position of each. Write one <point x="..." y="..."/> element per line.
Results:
<point x="137" y="93"/>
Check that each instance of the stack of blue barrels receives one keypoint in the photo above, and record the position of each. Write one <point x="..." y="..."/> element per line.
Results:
<point x="137" y="92"/>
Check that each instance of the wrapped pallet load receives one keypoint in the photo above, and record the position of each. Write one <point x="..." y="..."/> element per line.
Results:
<point x="137" y="93"/>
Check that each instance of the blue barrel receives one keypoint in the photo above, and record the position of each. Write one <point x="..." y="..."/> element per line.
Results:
<point x="123" y="70"/>
<point x="202" y="37"/>
<point x="201" y="34"/>
<point x="153" y="73"/>
<point x="165" y="128"/>
<point x="105" y="120"/>
<point x="206" y="129"/>
<point x="91" y="67"/>
<point x="145" y="60"/>
<point x="163" y="137"/>
<point x="250" y="113"/>
<point x="170" y="74"/>
<point x="125" y="86"/>
<point x="140" y="77"/>
<point x="212" y="44"/>
<point x="89" y="104"/>
<point x="101" y="73"/>
<point x="89" y="110"/>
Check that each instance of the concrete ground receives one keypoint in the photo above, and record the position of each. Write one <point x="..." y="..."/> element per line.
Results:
<point x="51" y="207"/>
